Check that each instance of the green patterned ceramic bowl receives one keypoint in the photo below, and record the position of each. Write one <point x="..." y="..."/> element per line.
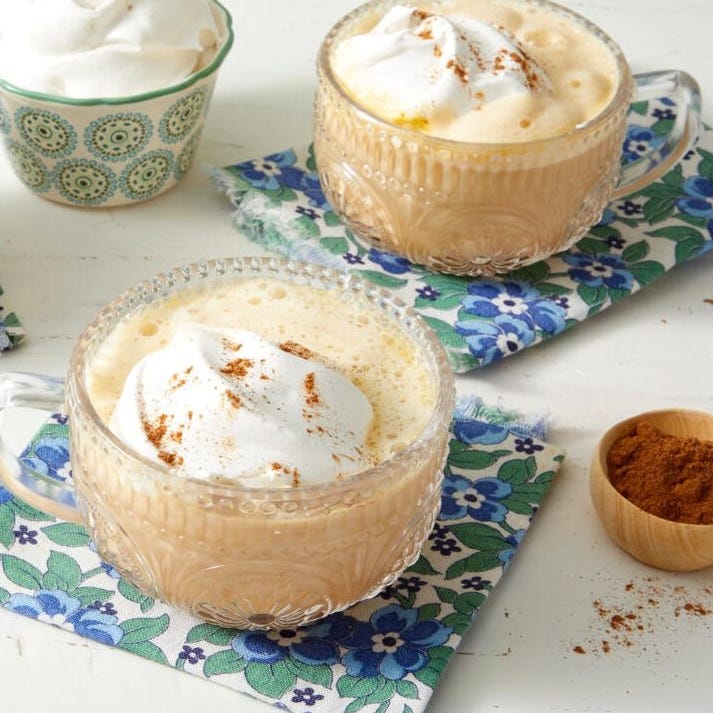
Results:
<point x="108" y="151"/>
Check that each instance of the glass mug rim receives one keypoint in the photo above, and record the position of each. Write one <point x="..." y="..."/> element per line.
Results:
<point x="621" y="96"/>
<point x="225" y="271"/>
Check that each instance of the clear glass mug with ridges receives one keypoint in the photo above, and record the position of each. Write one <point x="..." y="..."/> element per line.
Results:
<point x="484" y="207"/>
<point x="225" y="551"/>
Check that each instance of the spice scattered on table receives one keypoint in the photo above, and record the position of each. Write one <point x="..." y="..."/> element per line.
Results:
<point x="627" y="619"/>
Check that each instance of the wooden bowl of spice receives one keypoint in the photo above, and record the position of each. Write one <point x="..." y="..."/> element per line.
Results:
<point x="651" y="482"/>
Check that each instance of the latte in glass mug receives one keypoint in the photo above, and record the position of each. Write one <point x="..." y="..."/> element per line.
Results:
<point x="471" y="136"/>
<point x="259" y="442"/>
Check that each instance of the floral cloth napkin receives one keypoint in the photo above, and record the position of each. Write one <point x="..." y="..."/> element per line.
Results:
<point x="11" y="331"/>
<point x="381" y="655"/>
<point x="279" y="204"/>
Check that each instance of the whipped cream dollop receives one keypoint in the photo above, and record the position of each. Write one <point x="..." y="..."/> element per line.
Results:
<point x="414" y="66"/>
<point x="228" y="404"/>
<point x="105" y="48"/>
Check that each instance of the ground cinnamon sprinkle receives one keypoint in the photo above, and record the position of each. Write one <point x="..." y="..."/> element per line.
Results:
<point x="296" y="349"/>
<point x="155" y="432"/>
<point x="277" y="466"/>
<point x="312" y="398"/>
<point x="498" y="63"/>
<point x="233" y="398"/>
<point x="477" y="56"/>
<point x="237" y="367"/>
<point x="694" y="608"/>
<point x="524" y="61"/>
<point x="230" y="345"/>
<point x="458" y="69"/>
<point x="668" y="476"/>
<point x="170" y="459"/>
<point x="627" y="622"/>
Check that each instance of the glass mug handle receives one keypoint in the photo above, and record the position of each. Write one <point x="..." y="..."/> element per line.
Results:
<point x="683" y="89"/>
<point x="46" y="393"/>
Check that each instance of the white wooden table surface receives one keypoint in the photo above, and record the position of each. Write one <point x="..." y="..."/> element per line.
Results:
<point x="655" y="349"/>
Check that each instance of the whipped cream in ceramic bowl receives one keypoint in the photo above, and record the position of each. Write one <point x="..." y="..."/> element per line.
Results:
<point x="102" y="102"/>
<point x="106" y="48"/>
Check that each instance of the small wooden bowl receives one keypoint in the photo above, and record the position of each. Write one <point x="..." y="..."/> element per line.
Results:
<point x="675" y="546"/>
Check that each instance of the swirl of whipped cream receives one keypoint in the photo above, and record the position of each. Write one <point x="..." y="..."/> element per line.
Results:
<point x="105" y="48"/>
<point x="228" y="404"/>
<point x="414" y="66"/>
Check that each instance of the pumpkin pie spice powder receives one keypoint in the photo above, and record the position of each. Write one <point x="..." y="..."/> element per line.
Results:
<point x="628" y="619"/>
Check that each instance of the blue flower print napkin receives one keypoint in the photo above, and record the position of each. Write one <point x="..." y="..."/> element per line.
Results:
<point x="383" y="655"/>
<point x="11" y="331"/>
<point x="279" y="204"/>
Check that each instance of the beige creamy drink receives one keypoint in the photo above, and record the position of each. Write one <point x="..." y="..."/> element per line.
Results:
<point x="471" y="136"/>
<point x="269" y="553"/>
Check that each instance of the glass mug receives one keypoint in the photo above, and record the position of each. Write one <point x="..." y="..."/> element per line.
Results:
<point x="483" y="208"/>
<point x="231" y="554"/>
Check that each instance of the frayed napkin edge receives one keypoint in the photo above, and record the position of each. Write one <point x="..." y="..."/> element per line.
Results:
<point x="277" y="234"/>
<point x="527" y="425"/>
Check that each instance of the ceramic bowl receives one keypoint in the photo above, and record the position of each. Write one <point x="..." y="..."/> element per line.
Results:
<point x="665" y="544"/>
<point x="108" y="151"/>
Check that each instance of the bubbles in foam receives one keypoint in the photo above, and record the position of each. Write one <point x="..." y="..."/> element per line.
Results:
<point x="546" y="38"/>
